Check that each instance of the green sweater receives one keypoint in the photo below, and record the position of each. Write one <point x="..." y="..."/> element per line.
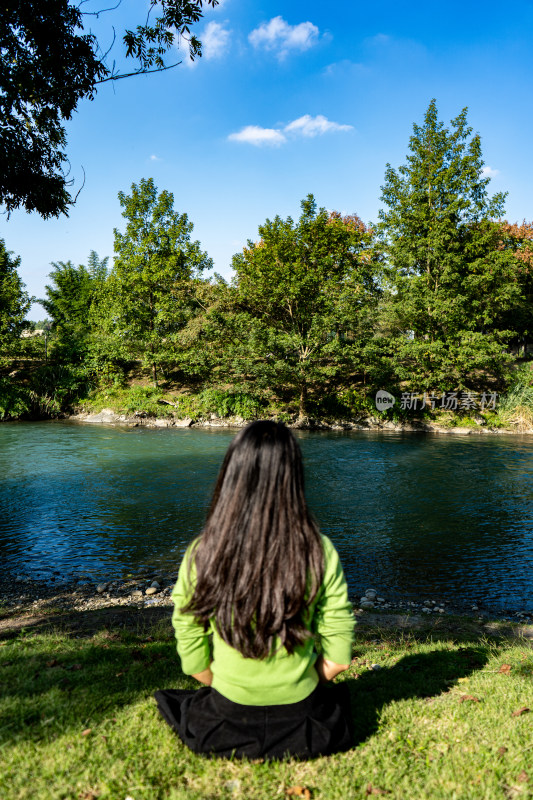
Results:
<point x="280" y="678"/>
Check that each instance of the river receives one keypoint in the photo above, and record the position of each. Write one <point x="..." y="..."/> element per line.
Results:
<point x="414" y="516"/>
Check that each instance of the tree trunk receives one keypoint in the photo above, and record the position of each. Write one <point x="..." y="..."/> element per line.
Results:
<point x="303" y="399"/>
<point x="152" y="349"/>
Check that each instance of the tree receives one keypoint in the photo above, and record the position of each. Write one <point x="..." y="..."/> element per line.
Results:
<point x="14" y="304"/>
<point x="47" y="65"/>
<point x="304" y="295"/>
<point x="449" y="280"/>
<point x="69" y="299"/>
<point x="149" y="293"/>
<point x="518" y="240"/>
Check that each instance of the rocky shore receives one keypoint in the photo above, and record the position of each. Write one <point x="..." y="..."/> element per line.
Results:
<point x="140" y="419"/>
<point x="21" y="596"/>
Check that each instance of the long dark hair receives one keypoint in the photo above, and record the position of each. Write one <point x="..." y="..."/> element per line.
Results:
<point x="259" y="559"/>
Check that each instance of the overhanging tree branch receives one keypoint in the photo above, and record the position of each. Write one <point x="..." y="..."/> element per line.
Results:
<point x="47" y="66"/>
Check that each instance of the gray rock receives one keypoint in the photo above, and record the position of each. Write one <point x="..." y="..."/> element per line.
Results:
<point x="183" y="423"/>
<point x="375" y="667"/>
<point x="136" y="594"/>
<point x="101" y="588"/>
<point x="371" y="594"/>
<point x="155" y="585"/>
<point x="366" y="605"/>
<point x="105" y="415"/>
<point x="151" y="590"/>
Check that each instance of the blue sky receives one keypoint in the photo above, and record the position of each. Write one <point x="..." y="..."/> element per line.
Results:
<point x="289" y="99"/>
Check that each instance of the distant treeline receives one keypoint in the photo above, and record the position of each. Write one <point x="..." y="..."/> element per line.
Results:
<point x="321" y="312"/>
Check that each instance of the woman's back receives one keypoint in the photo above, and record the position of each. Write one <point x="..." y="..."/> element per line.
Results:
<point x="256" y="592"/>
<point x="281" y="677"/>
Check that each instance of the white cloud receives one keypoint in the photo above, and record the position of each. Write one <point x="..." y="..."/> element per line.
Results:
<point x="281" y="37"/>
<point x="253" y="134"/>
<point x="154" y="158"/>
<point x="344" y="68"/>
<point x="488" y="172"/>
<point x="215" y="39"/>
<point x="380" y="38"/>
<point x="314" y="126"/>
<point x="306" y="126"/>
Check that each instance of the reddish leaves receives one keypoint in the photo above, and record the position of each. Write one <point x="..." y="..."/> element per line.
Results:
<point x="299" y="791"/>
<point x="468" y="698"/>
<point x="375" y="790"/>
<point x="505" y="669"/>
<point x="520" y="711"/>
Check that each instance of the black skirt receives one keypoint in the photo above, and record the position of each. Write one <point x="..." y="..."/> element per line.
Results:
<point x="209" y="723"/>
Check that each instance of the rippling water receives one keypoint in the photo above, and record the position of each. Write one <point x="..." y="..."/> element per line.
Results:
<point x="414" y="516"/>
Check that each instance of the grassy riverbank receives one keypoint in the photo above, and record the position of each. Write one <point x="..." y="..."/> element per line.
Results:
<point x="216" y="407"/>
<point x="52" y="392"/>
<point x="442" y="717"/>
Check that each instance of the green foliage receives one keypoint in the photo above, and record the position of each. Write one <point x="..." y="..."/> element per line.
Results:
<point x="14" y="303"/>
<point x="343" y="404"/>
<point x="15" y="401"/>
<point x="449" y="280"/>
<point x="70" y="296"/>
<point x="516" y="407"/>
<point x="231" y="404"/>
<point x="57" y="388"/>
<point x="149" y="296"/>
<point x="144" y="399"/>
<point x="304" y="297"/>
<point x="127" y="400"/>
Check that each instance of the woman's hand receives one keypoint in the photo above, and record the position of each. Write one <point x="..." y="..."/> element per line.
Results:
<point x="205" y="676"/>
<point x="327" y="670"/>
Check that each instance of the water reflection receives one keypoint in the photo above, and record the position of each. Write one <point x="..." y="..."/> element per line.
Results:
<point x="432" y="516"/>
<point x="412" y="515"/>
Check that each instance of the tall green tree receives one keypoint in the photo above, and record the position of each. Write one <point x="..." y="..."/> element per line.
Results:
<point x="71" y="292"/>
<point x="47" y="66"/>
<point x="449" y="280"/>
<point x="14" y="304"/>
<point x="150" y="293"/>
<point x="304" y="297"/>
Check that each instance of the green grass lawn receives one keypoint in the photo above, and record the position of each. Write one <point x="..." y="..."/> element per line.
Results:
<point x="440" y="719"/>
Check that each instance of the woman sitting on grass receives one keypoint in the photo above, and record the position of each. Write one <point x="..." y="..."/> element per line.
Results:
<point x="265" y="585"/>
